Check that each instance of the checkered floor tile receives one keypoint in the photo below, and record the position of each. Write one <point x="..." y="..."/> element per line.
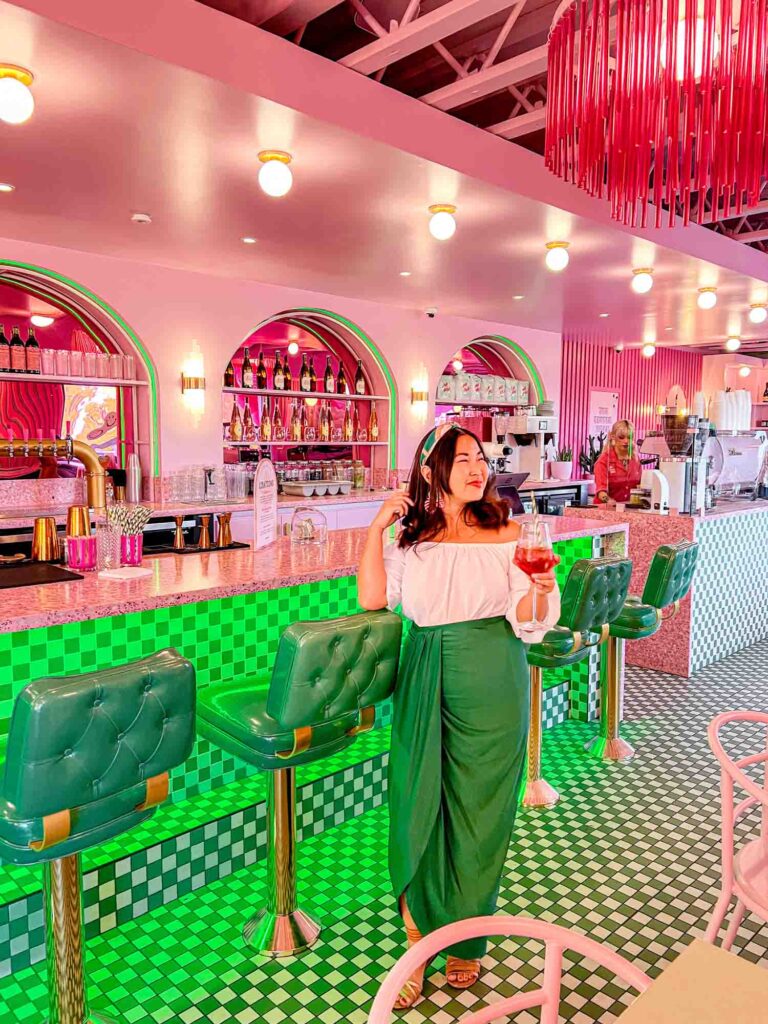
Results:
<point x="630" y="855"/>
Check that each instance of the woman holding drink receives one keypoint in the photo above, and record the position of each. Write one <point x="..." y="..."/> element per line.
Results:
<point x="461" y="701"/>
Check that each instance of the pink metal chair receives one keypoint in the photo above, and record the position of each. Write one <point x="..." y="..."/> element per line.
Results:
<point x="745" y="872"/>
<point x="555" y="938"/>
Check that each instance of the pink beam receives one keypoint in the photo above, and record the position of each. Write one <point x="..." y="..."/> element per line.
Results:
<point x="746" y="211"/>
<point x="450" y="60"/>
<point x="421" y="32"/>
<point x="490" y="80"/>
<point x="374" y="25"/>
<point x="523" y="124"/>
<point x="752" y="236"/>
<point x="501" y="38"/>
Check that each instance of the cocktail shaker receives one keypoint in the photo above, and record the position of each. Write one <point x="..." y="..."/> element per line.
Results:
<point x="133" y="479"/>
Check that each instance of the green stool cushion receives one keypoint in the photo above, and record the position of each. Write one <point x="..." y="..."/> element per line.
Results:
<point x="324" y="674"/>
<point x="557" y="648"/>
<point x="88" y="744"/>
<point x="671" y="573"/>
<point x="636" y="620"/>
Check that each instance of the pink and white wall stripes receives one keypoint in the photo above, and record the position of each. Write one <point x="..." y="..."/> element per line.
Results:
<point x="642" y="384"/>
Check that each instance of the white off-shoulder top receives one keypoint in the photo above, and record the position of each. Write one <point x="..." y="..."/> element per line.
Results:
<point x="440" y="583"/>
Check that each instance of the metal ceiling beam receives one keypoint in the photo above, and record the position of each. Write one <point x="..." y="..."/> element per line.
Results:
<point x="492" y="79"/>
<point x="746" y="211"/>
<point x="523" y="124"/>
<point x="424" y="31"/>
<point x="752" y="236"/>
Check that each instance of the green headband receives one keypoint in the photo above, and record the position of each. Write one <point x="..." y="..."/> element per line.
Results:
<point x="433" y="437"/>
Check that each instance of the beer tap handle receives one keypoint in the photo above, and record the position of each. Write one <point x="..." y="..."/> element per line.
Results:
<point x="25" y="438"/>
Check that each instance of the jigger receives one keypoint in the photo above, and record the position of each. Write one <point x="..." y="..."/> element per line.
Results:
<point x="204" y="542"/>
<point x="224" y="538"/>
<point x="45" y="540"/>
<point x="178" y="540"/>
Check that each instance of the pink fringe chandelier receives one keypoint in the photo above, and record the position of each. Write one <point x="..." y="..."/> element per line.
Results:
<point x="659" y="101"/>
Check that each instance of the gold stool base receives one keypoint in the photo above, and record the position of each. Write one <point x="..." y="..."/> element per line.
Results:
<point x="281" y="934"/>
<point x="93" y="1018"/>
<point x="603" y="749"/>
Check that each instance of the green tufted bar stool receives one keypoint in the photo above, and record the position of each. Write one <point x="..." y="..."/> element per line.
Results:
<point x="326" y="680"/>
<point x="88" y="758"/>
<point x="669" y="580"/>
<point x="593" y="595"/>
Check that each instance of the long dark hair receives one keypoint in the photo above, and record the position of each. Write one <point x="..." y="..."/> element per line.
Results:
<point x="419" y="524"/>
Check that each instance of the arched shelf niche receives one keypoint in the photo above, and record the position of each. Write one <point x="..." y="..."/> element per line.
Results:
<point x="494" y="354"/>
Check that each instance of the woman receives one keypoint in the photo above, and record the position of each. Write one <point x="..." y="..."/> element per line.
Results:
<point x="617" y="469"/>
<point x="461" y="701"/>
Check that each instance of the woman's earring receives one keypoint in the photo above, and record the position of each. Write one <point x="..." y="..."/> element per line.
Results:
<point x="431" y="505"/>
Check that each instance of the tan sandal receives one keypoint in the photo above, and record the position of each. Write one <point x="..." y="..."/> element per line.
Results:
<point x="411" y="991"/>
<point x="461" y="973"/>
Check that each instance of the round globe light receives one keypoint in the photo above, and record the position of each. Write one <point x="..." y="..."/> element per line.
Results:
<point x="458" y="365"/>
<point x="648" y="350"/>
<point x="275" y="177"/>
<point x="6" y="187"/>
<point x="758" y="313"/>
<point x="744" y="371"/>
<point x="442" y="223"/>
<point x="707" y="298"/>
<point x="733" y="344"/>
<point x="642" y="281"/>
<point x="557" y="257"/>
<point x="16" y="100"/>
<point x="293" y="348"/>
<point x="41" y="321"/>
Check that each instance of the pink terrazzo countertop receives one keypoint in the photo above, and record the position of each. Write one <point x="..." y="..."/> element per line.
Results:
<point x="182" y="579"/>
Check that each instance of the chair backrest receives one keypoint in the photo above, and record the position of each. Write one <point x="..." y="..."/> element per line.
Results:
<point x="328" y="668"/>
<point x="594" y="593"/>
<point x="556" y="939"/>
<point x="77" y="739"/>
<point x="671" y="572"/>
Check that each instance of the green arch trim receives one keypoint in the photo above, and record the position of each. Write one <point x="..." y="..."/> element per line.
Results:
<point x="524" y="358"/>
<point x="122" y="324"/>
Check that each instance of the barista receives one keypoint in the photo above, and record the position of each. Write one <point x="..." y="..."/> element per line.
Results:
<point x="617" y="469"/>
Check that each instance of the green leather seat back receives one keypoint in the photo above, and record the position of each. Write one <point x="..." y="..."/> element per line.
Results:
<point x="88" y="744"/>
<point x="671" y="573"/>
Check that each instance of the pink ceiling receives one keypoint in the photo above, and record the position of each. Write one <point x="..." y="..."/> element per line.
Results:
<point x="117" y="130"/>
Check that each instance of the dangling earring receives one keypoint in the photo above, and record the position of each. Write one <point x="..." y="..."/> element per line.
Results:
<point x="431" y="505"/>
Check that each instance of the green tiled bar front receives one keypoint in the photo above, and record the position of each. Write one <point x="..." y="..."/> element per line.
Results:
<point x="215" y="820"/>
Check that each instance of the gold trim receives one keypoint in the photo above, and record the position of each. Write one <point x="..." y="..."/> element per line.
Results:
<point x="642" y="270"/>
<point x="442" y="208"/>
<point x="56" y="828"/>
<point x="192" y="383"/>
<point x="302" y="741"/>
<point x="557" y="245"/>
<point x="578" y="642"/>
<point x="157" y="792"/>
<point x="605" y="632"/>
<point x="19" y="73"/>
<point x="275" y="154"/>
<point x="675" y="606"/>
<point x="365" y="721"/>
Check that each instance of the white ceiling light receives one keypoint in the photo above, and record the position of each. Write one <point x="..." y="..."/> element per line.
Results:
<point x="557" y="256"/>
<point x="604" y="316"/>
<point x="5" y="187"/>
<point x="141" y="218"/>
<point x="41" y="321"/>
<point x="733" y="344"/>
<point x="458" y="365"/>
<point x="275" y="177"/>
<point x="248" y="240"/>
<point x="517" y="298"/>
<point x="293" y="348"/>
<point x="442" y="223"/>
<point x="758" y="313"/>
<point x="707" y="298"/>
<point x="744" y="371"/>
<point x="648" y="350"/>
<point x="16" y="99"/>
<point x="642" y="280"/>
<point x="405" y="273"/>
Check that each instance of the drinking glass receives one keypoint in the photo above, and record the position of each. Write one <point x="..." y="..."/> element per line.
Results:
<point x="48" y="361"/>
<point x="62" y="362"/>
<point x="89" y="364"/>
<point x="76" y="364"/>
<point x="116" y="366"/>
<point x="131" y="548"/>
<point x="102" y="364"/>
<point x="534" y="554"/>
<point x="107" y="547"/>
<point x="129" y="367"/>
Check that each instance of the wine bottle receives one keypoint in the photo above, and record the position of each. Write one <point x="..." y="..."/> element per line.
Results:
<point x="325" y="422"/>
<point x="312" y="374"/>
<point x="295" y="423"/>
<point x="356" y="424"/>
<point x="5" y="352"/>
<point x="32" y="352"/>
<point x="287" y="375"/>
<point x="304" y="419"/>
<point x="359" y="379"/>
<point x="304" y="380"/>
<point x="266" y="422"/>
<point x="277" y="423"/>
<point x="235" y="424"/>
<point x="261" y="373"/>
<point x="249" y="426"/>
<point x="765" y="393"/>
<point x="347" y="428"/>
<point x="373" y="424"/>
<point x="341" y="381"/>
<point x="18" y="353"/>
<point x="229" y="375"/>
<point x="247" y="370"/>
<point x="278" y="376"/>
<point x="329" y="381"/>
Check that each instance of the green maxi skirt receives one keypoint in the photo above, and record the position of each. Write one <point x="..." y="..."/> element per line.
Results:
<point x="457" y="757"/>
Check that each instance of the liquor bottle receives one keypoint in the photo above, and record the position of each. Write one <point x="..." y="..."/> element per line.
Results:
<point x="765" y="393"/>
<point x="18" y="353"/>
<point x="32" y="352"/>
<point x="235" y="424"/>
<point x="295" y="423"/>
<point x="229" y="376"/>
<point x="261" y="373"/>
<point x="278" y="431"/>
<point x="266" y="422"/>
<point x="329" y="381"/>
<point x="278" y="375"/>
<point x="341" y="381"/>
<point x="312" y="374"/>
<point x="304" y="380"/>
<point x="359" y="378"/>
<point x="287" y="375"/>
<point x="5" y="352"/>
<point x="249" y="426"/>
<point x="304" y="419"/>
<point x="347" y="429"/>
<point x="325" y="422"/>
<point x="373" y="424"/>
<point x="247" y="370"/>
<point x="356" y="424"/>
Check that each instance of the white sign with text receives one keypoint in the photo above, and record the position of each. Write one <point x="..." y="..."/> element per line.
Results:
<point x="264" y="505"/>
<point x="603" y="410"/>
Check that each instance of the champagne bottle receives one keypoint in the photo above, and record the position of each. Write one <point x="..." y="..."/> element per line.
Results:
<point x="329" y="381"/>
<point x="304" y="418"/>
<point x="356" y="424"/>
<point x="295" y="423"/>
<point x="32" y="352"/>
<point x="266" y="422"/>
<point x="229" y="375"/>
<point x="5" y="352"/>
<point x="247" y="370"/>
<point x="359" y="379"/>
<point x="347" y="428"/>
<point x="261" y="373"/>
<point x="278" y="376"/>
<point x="373" y="424"/>
<point x="249" y="426"/>
<point x="18" y="353"/>
<point x="341" y="380"/>
<point x="312" y="374"/>
<point x="325" y="422"/>
<point x="277" y="423"/>
<point x="287" y="375"/>
<point x="235" y="424"/>
<point x="304" y="375"/>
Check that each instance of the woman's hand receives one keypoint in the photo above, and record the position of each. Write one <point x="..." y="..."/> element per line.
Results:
<point x="543" y="582"/>
<point x="394" y="508"/>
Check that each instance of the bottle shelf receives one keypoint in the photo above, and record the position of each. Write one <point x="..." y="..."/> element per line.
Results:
<point x="305" y="444"/>
<point x="60" y="379"/>
<point x="271" y="393"/>
<point x="482" y="405"/>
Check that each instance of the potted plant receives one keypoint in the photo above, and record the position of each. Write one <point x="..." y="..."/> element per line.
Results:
<point x="588" y="458"/>
<point x="562" y="465"/>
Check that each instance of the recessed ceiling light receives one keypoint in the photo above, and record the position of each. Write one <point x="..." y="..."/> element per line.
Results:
<point x="517" y="298"/>
<point x="141" y="218"/>
<point x="405" y="273"/>
<point x="5" y="187"/>
<point x="247" y="240"/>
<point x="604" y="315"/>
<point x="667" y="328"/>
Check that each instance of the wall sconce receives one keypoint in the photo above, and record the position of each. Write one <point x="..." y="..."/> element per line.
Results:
<point x="193" y="381"/>
<point x="418" y="395"/>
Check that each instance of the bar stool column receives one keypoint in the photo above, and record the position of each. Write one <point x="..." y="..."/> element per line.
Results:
<point x="608" y="744"/>
<point x="538" y="792"/>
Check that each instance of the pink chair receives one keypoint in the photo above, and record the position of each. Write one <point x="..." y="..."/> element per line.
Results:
<point x="745" y="873"/>
<point x="555" y="938"/>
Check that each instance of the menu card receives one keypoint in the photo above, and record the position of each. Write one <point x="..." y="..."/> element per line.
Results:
<point x="264" y="505"/>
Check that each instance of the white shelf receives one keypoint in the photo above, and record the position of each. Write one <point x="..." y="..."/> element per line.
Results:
<point x="269" y="393"/>
<point x="484" y="405"/>
<point x="57" y="379"/>
<point x="305" y="444"/>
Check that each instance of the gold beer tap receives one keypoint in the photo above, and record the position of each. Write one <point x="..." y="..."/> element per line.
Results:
<point x="95" y="477"/>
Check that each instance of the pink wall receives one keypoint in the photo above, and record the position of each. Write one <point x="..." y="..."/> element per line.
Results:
<point x="642" y="383"/>
<point x="169" y="309"/>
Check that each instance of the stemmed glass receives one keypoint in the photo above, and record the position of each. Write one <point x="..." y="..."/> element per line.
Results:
<point x="534" y="554"/>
